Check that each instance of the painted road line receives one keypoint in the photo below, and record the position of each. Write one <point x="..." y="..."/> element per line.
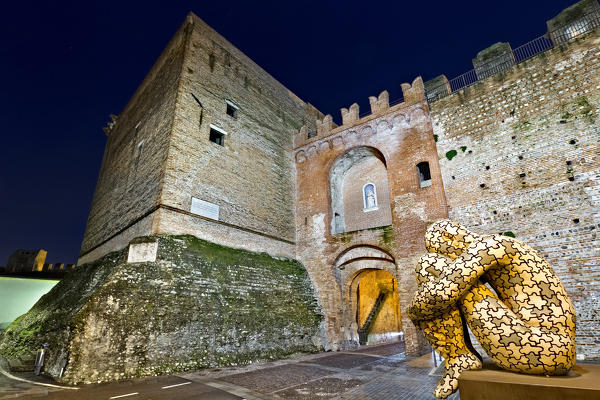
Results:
<point x="172" y="386"/>
<point x="10" y="376"/>
<point x="124" y="395"/>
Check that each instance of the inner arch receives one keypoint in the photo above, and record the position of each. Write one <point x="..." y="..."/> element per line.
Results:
<point x="349" y="175"/>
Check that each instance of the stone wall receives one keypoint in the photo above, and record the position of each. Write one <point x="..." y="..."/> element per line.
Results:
<point x="159" y="153"/>
<point x="198" y="305"/>
<point x="144" y="226"/>
<point x="520" y="152"/>
<point x="173" y="221"/>
<point x="250" y="177"/>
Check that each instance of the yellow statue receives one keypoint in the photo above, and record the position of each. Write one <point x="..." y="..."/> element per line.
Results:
<point x="525" y="324"/>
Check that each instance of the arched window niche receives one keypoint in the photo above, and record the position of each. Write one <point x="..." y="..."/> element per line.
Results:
<point x="358" y="183"/>
<point x="369" y="197"/>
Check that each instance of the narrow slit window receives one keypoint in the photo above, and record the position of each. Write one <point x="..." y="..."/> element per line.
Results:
<point x="424" y="174"/>
<point x="217" y="135"/>
<point x="140" y="147"/>
<point x="232" y="109"/>
<point x="201" y="110"/>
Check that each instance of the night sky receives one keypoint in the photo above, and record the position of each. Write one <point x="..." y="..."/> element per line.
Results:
<point x="66" y="66"/>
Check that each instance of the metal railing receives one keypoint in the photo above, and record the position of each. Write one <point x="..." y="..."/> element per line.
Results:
<point x="583" y="25"/>
<point x="462" y="81"/>
<point x="533" y="48"/>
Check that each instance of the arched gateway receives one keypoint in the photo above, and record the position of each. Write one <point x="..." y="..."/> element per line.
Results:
<point x="370" y="295"/>
<point x="362" y="208"/>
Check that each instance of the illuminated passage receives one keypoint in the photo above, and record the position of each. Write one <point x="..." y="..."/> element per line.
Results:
<point x="378" y="307"/>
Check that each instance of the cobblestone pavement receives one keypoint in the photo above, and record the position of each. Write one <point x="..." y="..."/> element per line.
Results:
<point x="373" y="372"/>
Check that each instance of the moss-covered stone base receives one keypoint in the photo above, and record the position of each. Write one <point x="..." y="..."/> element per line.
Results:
<point x="199" y="305"/>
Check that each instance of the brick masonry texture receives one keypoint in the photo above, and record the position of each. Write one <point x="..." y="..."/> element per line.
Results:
<point x="530" y="165"/>
<point x="403" y="136"/>
<point x="369" y="171"/>
<point x="250" y="177"/>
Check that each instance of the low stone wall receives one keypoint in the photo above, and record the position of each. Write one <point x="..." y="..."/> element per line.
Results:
<point x="198" y="305"/>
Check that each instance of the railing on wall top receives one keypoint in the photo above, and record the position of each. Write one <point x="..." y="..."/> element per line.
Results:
<point x="585" y="24"/>
<point x="530" y="49"/>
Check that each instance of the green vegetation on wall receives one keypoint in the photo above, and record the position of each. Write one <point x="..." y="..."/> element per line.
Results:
<point x="387" y="236"/>
<point x="199" y="305"/>
<point x="451" y="154"/>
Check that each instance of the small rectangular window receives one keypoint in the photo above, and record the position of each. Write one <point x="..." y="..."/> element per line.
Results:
<point x="232" y="109"/>
<point x="424" y="174"/>
<point x="217" y="135"/>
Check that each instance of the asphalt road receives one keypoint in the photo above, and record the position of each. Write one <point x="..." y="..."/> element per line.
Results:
<point x="165" y="388"/>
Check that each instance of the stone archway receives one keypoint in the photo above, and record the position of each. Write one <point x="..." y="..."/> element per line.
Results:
<point x="370" y="296"/>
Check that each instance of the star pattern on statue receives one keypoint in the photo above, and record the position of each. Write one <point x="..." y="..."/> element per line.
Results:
<point x="523" y="317"/>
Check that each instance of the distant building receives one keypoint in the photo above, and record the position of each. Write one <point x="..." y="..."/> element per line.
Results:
<point x="26" y="261"/>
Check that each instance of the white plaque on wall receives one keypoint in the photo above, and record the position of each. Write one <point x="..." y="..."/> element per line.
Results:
<point x="205" y="209"/>
<point x="142" y="252"/>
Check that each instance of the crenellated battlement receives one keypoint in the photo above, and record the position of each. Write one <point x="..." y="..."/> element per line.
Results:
<point x="325" y="125"/>
<point x="413" y="93"/>
<point x="381" y="103"/>
<point x="350" y="115"/>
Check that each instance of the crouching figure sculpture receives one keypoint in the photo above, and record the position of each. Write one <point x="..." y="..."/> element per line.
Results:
<point x="527" y="324"/>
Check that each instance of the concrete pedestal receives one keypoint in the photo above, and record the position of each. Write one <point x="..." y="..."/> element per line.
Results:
<point x="492" y="383"/>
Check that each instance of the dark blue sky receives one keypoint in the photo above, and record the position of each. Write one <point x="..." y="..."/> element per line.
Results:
<point x="66" y="65"/>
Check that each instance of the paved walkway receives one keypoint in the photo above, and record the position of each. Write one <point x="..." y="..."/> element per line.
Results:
<point x="373" y="372"/>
